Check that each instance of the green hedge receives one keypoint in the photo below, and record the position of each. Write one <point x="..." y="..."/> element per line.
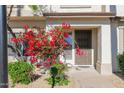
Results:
<point x="121" y="62"/>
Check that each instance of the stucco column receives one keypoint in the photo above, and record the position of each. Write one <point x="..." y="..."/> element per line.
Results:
<point x="104" y="64"/>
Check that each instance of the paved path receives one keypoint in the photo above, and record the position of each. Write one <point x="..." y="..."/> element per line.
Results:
<point x="90" y="78"/>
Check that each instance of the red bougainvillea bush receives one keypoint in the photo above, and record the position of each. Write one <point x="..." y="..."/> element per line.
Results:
<point x="44" y="47"/>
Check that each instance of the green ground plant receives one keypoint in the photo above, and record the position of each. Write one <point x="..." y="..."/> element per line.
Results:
<point x="58" y="76"/>
<point x="20" y="72"/>
<point x="120" y="58"/>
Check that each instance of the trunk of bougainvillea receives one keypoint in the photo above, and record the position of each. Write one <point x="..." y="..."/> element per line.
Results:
<point x="54" y="72"/>
<point x="13" y="48"/>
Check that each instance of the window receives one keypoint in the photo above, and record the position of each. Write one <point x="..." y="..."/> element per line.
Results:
<point x="68" y="51"/>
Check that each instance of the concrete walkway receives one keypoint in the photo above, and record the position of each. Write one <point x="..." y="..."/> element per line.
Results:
<point x="88" y="77"/>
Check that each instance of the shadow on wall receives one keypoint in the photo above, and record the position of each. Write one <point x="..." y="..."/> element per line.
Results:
<point x="113" y="9"/>
<point x="114" y="40"/>
<point x="114" y="47"/>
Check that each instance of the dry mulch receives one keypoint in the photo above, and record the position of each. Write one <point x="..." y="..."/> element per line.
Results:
<point x="42" y="83"/>
<point x="118" y="80"/>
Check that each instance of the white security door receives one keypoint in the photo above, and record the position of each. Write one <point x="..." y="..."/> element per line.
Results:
<point x="84" y="40"/>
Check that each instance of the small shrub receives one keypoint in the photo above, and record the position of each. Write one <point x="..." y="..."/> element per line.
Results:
<point x="121" y="62"/>
<point x="57" y="73"/>
<point x="61" y="68"/>
<point x="20" y="72"/>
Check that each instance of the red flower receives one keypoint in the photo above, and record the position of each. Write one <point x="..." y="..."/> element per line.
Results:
<point x="15" y="40"/>
<point x="38" y="65"/>
<point x="60" y="62"/>
<point x="44" y="41"/>
<point x="66" y="34"/>
<point x="38" y="44"/>
<point x="78" y="51"/>
<point x="59" y="32"/>
<point x="31" y="42"/>
<point x="54" y="38"/>
<point x="26" y="27"/>
<point x="52" y="43"/>
<point x="47" y="65"/>
<point x="28" y="35"/>
<point x="31" y="48"/>
<point x="33" y="59"/>
<point x="54" y="62"/>
<point x="65" y="26"/>
<point x="54" y="56"/>
<point x="39" y="35"/>
<point x="20" y="40"/>
<point x="48" y="60"/>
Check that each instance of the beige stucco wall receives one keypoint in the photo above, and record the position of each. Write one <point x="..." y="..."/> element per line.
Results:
<point x="121" y="40"/>
<point x="120" y="37"/>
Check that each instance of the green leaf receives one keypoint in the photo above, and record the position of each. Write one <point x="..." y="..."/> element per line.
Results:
<point x="20" y="72"/>
<point x="34" y="8"/>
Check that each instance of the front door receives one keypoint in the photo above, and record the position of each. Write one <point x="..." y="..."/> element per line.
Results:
<point x="84" y="40"/>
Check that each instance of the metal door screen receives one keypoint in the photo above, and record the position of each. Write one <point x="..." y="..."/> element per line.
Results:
<point x="84" y="40"/>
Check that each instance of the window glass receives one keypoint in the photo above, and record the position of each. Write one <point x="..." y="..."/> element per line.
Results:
<point x="68" y="51"/>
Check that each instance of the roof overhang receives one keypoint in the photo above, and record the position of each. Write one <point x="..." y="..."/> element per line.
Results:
<point x="27" y="18"/>
<point x="80" y="15"/>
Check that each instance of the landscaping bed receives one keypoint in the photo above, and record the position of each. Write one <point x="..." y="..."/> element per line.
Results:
<point x="40" y="82"/>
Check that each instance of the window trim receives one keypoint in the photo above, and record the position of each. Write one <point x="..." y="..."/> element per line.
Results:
<point x="75" y="6"/>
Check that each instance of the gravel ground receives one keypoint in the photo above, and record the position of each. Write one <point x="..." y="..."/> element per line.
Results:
<point x="42" y="83"/>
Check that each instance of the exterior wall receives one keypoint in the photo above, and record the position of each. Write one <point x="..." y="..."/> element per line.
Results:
<point x="121" y="40"/>
<point x="107" y="8"/>
<point x="24" y="10"/>
<point x="104" y="62"/>
<point x="120" y="10"/>
<point x="120" y="37"/>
